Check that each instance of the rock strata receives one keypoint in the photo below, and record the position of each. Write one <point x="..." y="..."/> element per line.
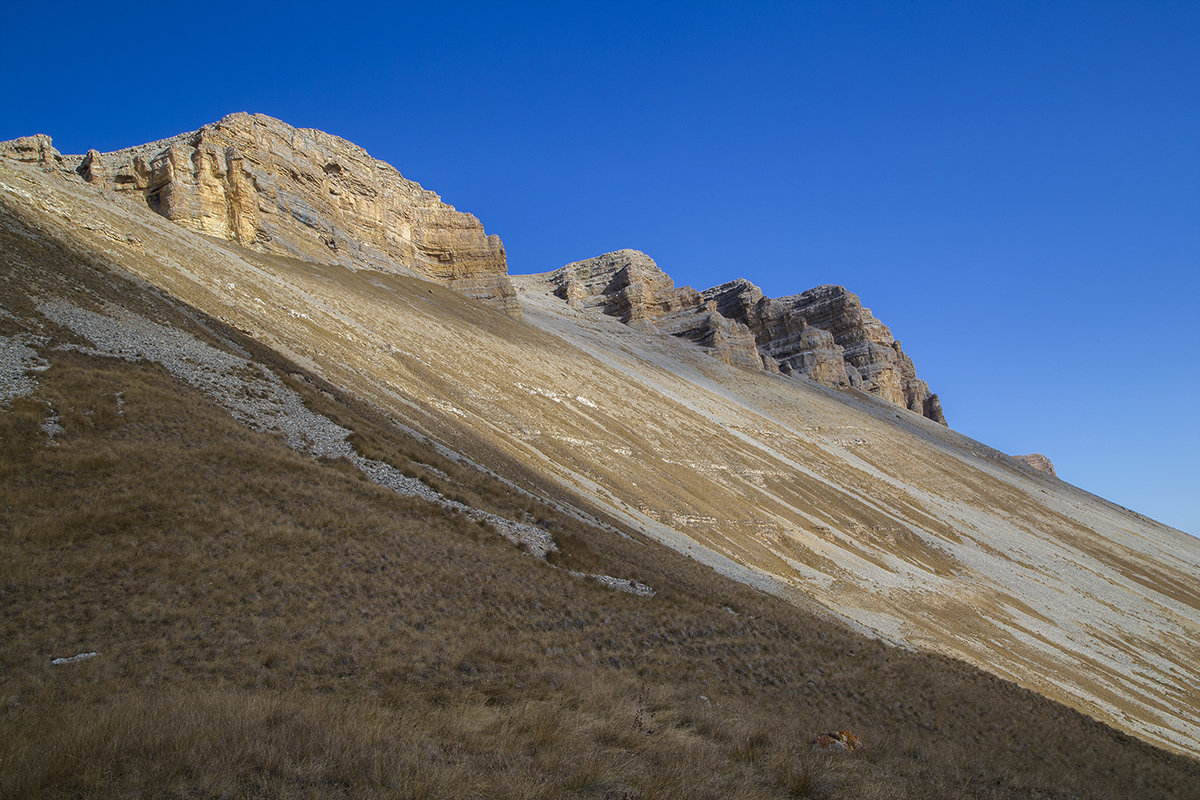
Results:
<point x="36" y="149"/>
<point x="824" y="334"/>
<point x="628" y="285"/>
<point x="302" y="193"/>
<point x="827" y="335"/>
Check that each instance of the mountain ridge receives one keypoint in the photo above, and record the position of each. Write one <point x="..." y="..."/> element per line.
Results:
<point x="889" y="521"/>
<point x="257" y="181"/>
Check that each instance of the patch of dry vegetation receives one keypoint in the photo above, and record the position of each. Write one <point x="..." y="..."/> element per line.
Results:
<point x="270" y="625"/>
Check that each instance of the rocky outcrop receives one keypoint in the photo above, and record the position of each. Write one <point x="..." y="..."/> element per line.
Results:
<point x="1038" y="462"/>
<point x="628" y="285"/>
<point x="303" y="193"/>
<point x="824" y="334"/>
<point x="36" y="149"/>
<point x="827" y="335"/>
<point x="785" y="339"/>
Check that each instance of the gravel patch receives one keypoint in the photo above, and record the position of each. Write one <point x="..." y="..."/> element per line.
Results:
<point x="620" y="584"/>
<point x="17" y="360"/>
<point x="251" y="393"/>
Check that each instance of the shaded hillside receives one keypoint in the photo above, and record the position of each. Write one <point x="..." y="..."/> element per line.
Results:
<point x="267" y="623"/>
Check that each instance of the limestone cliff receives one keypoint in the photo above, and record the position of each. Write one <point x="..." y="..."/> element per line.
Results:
<point x="298" y="192"/>
<point x="825" y="333"/>
<point x="627" y="284"/>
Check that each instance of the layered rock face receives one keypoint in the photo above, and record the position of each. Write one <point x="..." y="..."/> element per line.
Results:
<point x="36" y="149"/>
<point x="824" y="333"/>
<point x="303" y="193"/>
<point x="827" y="334"/>
<point x="627" y="284"/>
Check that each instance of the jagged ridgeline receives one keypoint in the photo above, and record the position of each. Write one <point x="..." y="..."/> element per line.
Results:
<point x="304" y="193"/>
<point x="824" y="334"/>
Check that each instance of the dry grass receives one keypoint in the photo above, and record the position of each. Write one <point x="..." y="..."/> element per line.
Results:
<point x="268" y="625"/>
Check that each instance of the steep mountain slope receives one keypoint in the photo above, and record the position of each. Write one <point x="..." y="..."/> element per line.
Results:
<point x="193" y="605"/>
<point x="886" y="520"/>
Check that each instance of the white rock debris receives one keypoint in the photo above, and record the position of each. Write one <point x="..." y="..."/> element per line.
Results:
<point x="80" y="657"/>
<point x="620" y="584"/>
<point x="17" y="360"/>
<point x="251" y="393"/>
<point x="52" y="425"/>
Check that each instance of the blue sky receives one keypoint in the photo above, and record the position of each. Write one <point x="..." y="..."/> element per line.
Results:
<point x="1013" y="187"/>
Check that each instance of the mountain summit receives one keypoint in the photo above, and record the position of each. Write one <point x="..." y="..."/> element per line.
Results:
<point x="298" y="192"/>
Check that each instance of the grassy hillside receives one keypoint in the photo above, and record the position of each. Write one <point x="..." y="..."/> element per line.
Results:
<point x="268" y="624"/>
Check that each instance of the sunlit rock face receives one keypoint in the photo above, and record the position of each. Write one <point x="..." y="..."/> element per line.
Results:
<point x="827" y="334"/>
<point x="628" y="285"/>
<point x="303" y="193"/>
<point x="1039" y="462"/>
<point x="36" y="149"/>
<point x="824" y="334"/>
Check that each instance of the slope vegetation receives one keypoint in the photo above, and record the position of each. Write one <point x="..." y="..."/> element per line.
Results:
<point x="267" y="622"/>
<point x="274" y="612"/>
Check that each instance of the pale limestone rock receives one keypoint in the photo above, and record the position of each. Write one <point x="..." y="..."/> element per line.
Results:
<point x="827" y="334"/>
<point x="91" y="169"/>
<point x="36" y="149"/>
<point x="785" y="340"/>
<point x="627" y="284"/>
<point x="307" y="194"/>
<point x="824" y="334"/>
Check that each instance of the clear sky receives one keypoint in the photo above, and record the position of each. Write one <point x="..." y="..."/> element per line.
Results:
<point x="1013" y="187"/>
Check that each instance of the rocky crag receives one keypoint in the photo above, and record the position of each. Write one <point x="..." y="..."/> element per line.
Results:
<point x="1039" y="462"/>
<point x="297" y="192"/>
<point x="303" y="193"/>
<point x="824" y="334"/>
<point x="628" y="285"/>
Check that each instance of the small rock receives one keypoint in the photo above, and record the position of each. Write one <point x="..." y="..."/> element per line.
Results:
<point x="841" y="740"/>
<point x="80" y="657"/>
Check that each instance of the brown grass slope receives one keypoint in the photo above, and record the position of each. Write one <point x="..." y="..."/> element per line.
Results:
<point x="272" y="625"/>
<point x="894" y="524"/>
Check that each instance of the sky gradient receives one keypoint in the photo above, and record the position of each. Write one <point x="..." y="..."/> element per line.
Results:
<point x="1012" y="187"/>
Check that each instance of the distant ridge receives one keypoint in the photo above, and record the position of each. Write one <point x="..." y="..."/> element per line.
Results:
<point x="824" y="334"/>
